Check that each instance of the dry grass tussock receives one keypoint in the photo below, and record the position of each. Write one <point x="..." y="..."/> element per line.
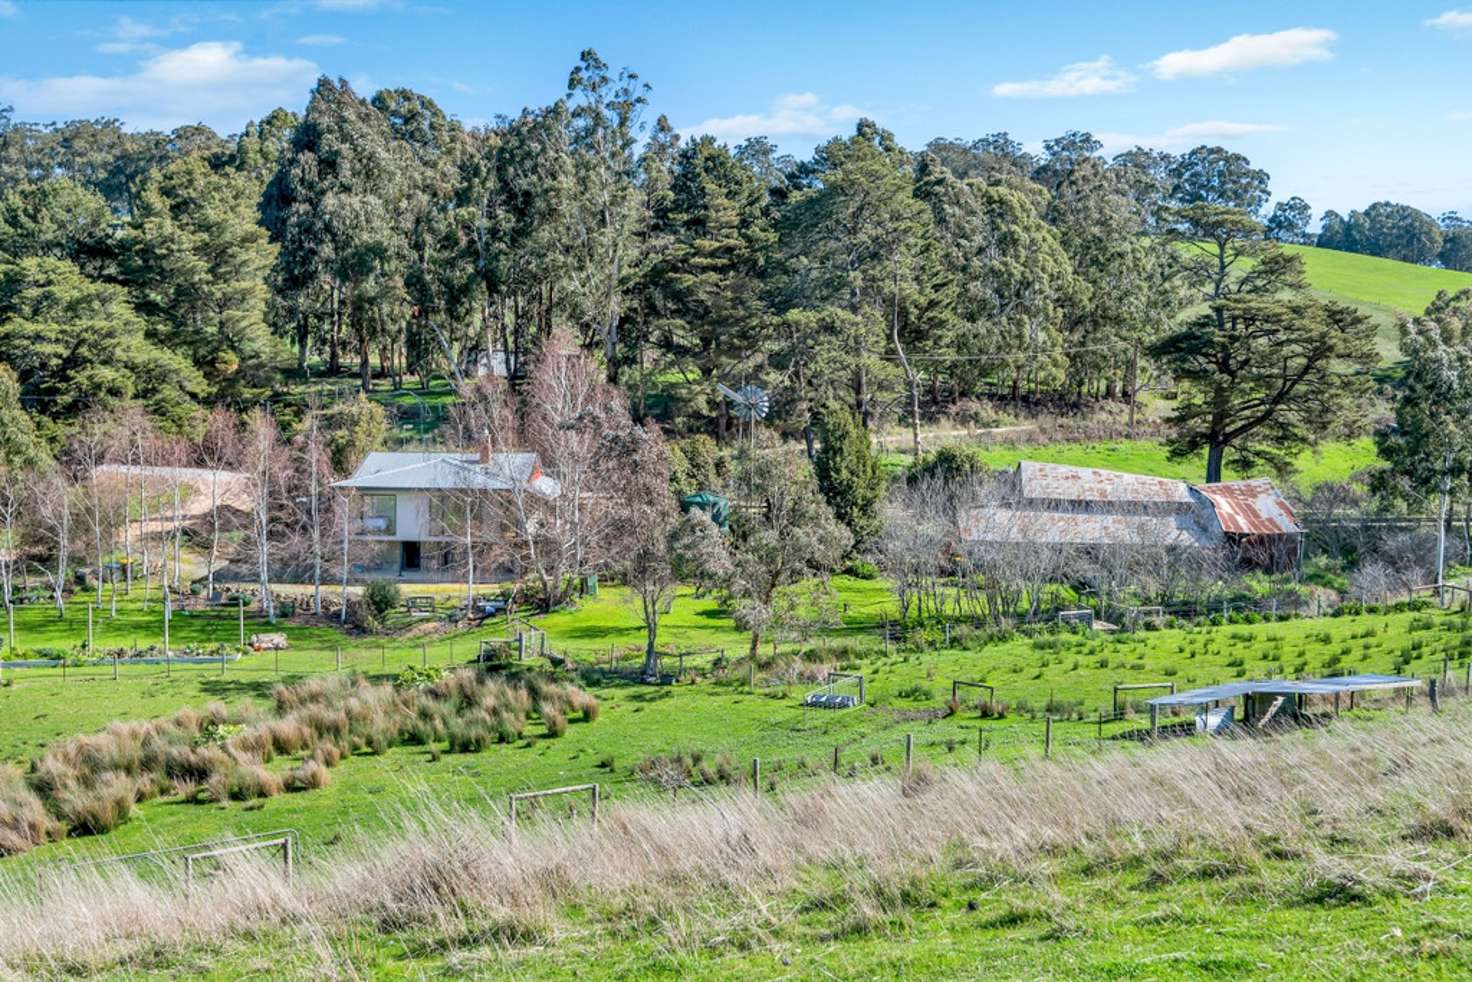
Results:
<point x="90" y="784"/>
<point x="1359" y="809"/>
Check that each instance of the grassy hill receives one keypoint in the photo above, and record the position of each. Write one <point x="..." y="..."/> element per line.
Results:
<point x="1382" y="288"/>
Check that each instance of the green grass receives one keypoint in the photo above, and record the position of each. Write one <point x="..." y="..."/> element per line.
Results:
<point x="1333" y="461"/>
<point x="1382" y="288"/>
<point x="1074" y="672"/>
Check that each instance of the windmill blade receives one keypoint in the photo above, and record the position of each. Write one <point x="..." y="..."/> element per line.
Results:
<point x="729" y="393"/>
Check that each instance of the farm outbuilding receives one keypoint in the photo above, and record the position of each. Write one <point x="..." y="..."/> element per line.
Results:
<point x="1060" y="504"/>
<point x="1266" y="700"/>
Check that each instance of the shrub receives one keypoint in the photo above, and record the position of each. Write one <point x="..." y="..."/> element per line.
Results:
<point x="556" y="722"/>
<point x="382" y="596"/>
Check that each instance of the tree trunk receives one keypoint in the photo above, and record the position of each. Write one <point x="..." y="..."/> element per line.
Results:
<point x="1214" y="456"/>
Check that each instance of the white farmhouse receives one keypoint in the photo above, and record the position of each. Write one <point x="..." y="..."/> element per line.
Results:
<point x="405" y="506"/>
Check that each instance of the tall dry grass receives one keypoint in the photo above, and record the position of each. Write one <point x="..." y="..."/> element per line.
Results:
<point x="1358" y="809"/>
<point x="89" y="785"/>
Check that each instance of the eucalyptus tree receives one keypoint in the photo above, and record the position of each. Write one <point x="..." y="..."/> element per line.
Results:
<point x="333" y="207"/>
<point x="850" y="240"/>
<point x="604" y="112"/>
<point x="1429" y="444"/>
<point x="1013" y="279"/>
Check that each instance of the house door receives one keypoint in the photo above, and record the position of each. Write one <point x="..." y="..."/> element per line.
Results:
<point x="409" y="558"/>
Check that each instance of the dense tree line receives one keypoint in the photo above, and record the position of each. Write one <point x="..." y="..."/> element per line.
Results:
<point x="1396" y="231"/>
<point x="381" y="237"/>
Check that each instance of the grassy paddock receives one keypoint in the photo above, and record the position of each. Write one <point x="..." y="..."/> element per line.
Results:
<point x="1339" y="849"/>
<point x="714" y="724"/>
<point x="1334" y="461"/>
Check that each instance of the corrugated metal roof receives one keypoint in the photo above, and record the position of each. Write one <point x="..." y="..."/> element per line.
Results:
<point x="1251" y="508"/>
<point x="1002" y="524"/>
<point x="1285" y="687"/>
<point x="449" y="471"/>
<point x="1062" y="482"/>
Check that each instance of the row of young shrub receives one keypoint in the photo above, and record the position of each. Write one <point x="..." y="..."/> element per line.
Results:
<point x="90" y="784"/>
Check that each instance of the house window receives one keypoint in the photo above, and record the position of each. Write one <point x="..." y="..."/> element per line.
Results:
<point x="376" y="513"/>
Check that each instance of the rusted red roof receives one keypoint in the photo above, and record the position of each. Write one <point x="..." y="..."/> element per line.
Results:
<point x="1251" y="508"/>
<point x="1062" y="482"/>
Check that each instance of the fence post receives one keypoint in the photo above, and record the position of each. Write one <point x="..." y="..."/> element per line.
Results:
<point x="222" y="661"/>
<point x="1434" y="695"/>
<point x="10" y="622"/>
<point x="114" y="663"/>
<point x="1154" y="720"/>
<point x="520" y="645"/>
<point x="948" y="634"/>
<point x="909" y="752"/>
<point x="1445" y="668"/>
<point x="90" y="650"/>
<point x="835" y="760"/>
<point x="751" y="675"/>
<point x="756" y="775"/>
<point x="1047" y="736"/>
<point x="240" y="602"/>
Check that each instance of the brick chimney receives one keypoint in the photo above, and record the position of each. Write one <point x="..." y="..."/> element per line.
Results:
<point x="485" y="449"/>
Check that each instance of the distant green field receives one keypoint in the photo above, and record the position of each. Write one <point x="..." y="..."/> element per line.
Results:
<point x="1330" y="462"/>
<point x="1382" y="288"/>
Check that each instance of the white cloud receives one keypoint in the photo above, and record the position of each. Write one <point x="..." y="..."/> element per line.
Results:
<point x="1246" y="51"/>
<point x="1098" y="77"/>
<point x="462" y="88"/>
<point x="128" y="29"/>
<point x="1455" y="21"/>
<point x="321" y="40"/>
<point x="211" y="81"/>
<point x="353" y="4"/>
<point x="1185" y="136"/>
<point x="794" y="114"/>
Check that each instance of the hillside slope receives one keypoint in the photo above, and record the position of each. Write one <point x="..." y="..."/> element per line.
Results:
<point x="1382" y="288"/>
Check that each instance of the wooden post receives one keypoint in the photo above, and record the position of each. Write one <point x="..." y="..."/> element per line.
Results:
<point x="222" y="661"/>
<point x="597" y="796"/>
<point x="520" y="645"/>
<point x="835" y="760"/>
<point x="10" y="621"/>
<point x="751" y="676"/>
<point x="1445" y="668"/>
<point x="1101" y="726"/>
<point x="756" y="774"/>
<point x="948" y="634"/>
<point x="168" y="605"/>
<point x="1154" y="720"/>
<point x="89" y="631"/>
<point x="240" y="598"/>
<point x="114" y="665"/>
<point x="1434" y="695"/>
<point x="909" y="753"/>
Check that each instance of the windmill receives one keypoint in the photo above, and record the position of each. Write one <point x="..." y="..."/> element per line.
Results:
<point x="749" y="404"/>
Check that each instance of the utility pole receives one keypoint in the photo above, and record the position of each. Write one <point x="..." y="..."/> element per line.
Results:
<point x="1134" y="383"/>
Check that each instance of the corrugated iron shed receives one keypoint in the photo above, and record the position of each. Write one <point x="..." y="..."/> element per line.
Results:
<point x="1251" y="508"/>
<point x="1057" y="527"/>
<point x="1062" y="482"/>
<point x="1285" y="687"/>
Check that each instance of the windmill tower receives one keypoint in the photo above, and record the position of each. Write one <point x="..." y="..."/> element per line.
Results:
<point x="749" y="404"/>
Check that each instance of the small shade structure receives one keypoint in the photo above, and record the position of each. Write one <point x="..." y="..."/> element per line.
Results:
<point x="1262" y="700"/>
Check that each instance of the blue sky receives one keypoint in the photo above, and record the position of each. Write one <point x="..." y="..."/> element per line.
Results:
<point x="1343" y="104"/>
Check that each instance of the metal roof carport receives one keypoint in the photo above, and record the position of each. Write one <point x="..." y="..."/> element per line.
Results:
<point x="1332" y="686"/>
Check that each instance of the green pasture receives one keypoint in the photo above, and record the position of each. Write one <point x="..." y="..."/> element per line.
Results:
<point x="1385" y="289"/>
<point x="717" y="717"/>
<point x="1331" y="461"/>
